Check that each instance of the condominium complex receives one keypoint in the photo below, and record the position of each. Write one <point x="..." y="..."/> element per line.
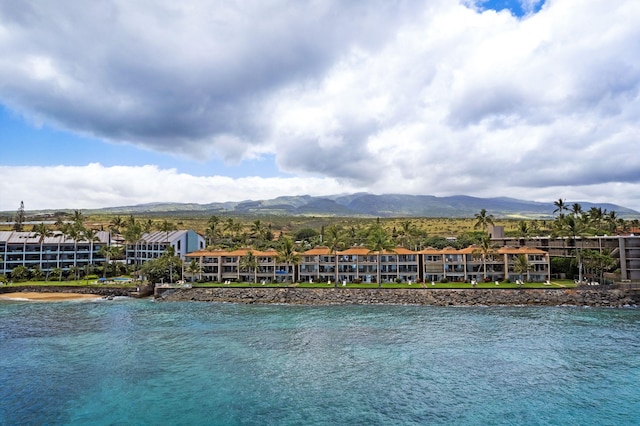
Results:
<point x="28" y="249"/>
<point x="320" y="264"/>
<point x="151" y="245"/>
<point x="625" y="249"/>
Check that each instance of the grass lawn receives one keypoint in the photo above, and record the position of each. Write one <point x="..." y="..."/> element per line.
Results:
<point x="554" y="284"/>
<point x="95" y="283"/>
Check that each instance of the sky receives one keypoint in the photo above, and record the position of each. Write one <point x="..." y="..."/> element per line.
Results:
<point x="116" y="102"/>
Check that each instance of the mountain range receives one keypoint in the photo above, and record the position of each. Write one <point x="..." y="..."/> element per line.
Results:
<point x="370" y="205"/>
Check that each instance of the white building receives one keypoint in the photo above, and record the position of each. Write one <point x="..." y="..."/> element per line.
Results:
<point x="57" y="251"/>
<point x="153" y="244"/>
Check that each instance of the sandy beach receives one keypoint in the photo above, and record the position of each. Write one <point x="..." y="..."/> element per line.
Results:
<point x="47" y="297"/>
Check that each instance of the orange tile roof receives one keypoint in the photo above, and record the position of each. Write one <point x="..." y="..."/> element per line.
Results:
<point x="317" y="251"/>
<point x="238" y="252"/>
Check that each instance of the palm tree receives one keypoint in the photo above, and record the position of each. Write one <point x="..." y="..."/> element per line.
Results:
<point x="561" y="207"/>
<point x="576" y="209"/>
<point x="167" y="227"/>
<point x="611" y="220"/>
<point x="523" y="231"/>
<point x="194" y="269"/>
<point x="249" y="263"/>
<point x="78" y="217"/>
<point x="486" y="249"/>
<point x="59" y="223"/>
<point x="257" y="229"/>
<point x="90" y="235"/>
<point x="116" y="224"/>
<point x="596" y="216"/>
<point x="286" y="253"/>
<point x="108" y="252"/>
<point x="333" y="239"/>
<point x="75" y="232"/>
<point x="522" y="266"/>
<point x="213" y="230"/>
<point x="147" y="226"/>
<point x="132" y="234"/>
<point x="230" y="226"/>
<point x="378" y="241"/>
<point x="42" y="231"/>
<point x="406" y="232"/>
<point x="483" y="220"/>
<point x="574" y="227"/>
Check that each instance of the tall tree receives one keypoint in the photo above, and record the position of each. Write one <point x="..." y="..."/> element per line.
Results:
<point x="286" y="254"/>
<point x="116" y="224"/>
<point x="561" y="207"/>
<point x="19" y="223"/>
<point x="109" y="252"/>
<point x="42" y="231"/>
<point x="486" y="249"/>
<point x="611" y="220"/>
<point x="90" y="235"/>
<point x="483" y="220"/>
<point x="574" y="227"/>
<point x="333" y="239"/>
<point x="406" y="232"/>
<point x="379" y="242"/>
<point x="75" y="232"/>
<point x="194" y="269"/>
<point x="146" y="226"/>
<point x="132" y="234"/>
<point x="166" y="227"/>
<point x="576" y="209"/>
<point x="523" y="232"/>
<point x="522" y="266"/>
<point x="78" y="218"/>
<point x="250" y="264"/>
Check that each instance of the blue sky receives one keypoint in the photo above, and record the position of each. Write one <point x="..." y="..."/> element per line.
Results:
<point x="44" y="145"/>
<point x="113" y="103"/>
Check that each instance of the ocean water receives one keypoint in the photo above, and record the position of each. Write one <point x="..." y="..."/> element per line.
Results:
<point x="147" y="363"/>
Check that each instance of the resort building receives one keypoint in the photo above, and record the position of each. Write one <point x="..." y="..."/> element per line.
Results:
<point x="31" y="250"/>
<point x="153" y="244"/>
<point x="623" y="248"/>
<point x="472" y="263"/>
<point x="358" y="264"/>
<point x="228" y="266"/>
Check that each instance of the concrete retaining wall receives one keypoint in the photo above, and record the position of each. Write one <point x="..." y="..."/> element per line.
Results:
<point x="102" y="291"/>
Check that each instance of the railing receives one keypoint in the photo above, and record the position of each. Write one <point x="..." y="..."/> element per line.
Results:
<point x="627" y="285"/>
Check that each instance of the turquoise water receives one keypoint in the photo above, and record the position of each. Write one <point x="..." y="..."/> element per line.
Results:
<point x="143" y="362"/>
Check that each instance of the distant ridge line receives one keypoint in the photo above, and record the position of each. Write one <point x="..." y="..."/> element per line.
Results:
<point x="366" y="205"/>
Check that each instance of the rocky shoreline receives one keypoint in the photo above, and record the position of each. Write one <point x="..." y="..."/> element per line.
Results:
<point x="616" y="298"/>
<point x="433" y="297"/>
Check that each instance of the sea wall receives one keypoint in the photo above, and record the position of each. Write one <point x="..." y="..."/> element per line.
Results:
<point x="434" y="297"/>
<point x="101" y="291"/>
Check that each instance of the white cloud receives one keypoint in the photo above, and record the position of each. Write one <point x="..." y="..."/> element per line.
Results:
<point x="95" y="186"/>
<point x="433" y="97"/>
